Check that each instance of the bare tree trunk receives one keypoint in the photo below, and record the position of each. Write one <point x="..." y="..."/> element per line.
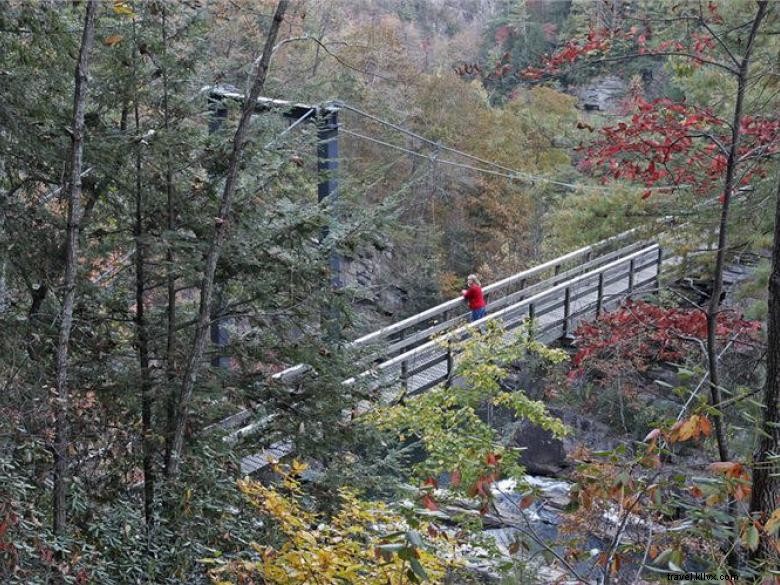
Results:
<point x="717" y="277"/>
<point x="220" y="228"/>
<point x="3" y="237"/>
<point x="62" y="431"/>
<point x="141" y="329"/>
<point x="765" y="497"/>
<point x="170" y="258"/>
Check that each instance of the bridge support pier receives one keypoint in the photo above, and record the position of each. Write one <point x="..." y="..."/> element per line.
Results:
<point x="327" y="192"/>
<point x="218" y="331"/>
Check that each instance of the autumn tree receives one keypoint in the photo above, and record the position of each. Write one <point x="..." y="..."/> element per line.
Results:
<point x="685" y="144"/>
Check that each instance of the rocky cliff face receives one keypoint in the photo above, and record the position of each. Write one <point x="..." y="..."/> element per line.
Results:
<point x="602" y="94"/>
<point x="373" y="293"/>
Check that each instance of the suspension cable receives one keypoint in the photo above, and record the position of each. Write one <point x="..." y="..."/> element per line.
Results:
<point x="508" y="172"/>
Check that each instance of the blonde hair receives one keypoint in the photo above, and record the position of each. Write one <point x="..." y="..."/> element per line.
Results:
<point x="473" y="278"/>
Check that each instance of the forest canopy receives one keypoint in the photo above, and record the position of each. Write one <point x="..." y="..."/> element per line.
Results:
<point x="203" y="204"/>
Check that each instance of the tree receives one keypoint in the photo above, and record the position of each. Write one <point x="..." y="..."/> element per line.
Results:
<point x="765" y="497"/>
<point x="141" y="324"/>
<point x="221" y="222"/>
<point x="62" y="439"/>
<point x="728" y="191"/>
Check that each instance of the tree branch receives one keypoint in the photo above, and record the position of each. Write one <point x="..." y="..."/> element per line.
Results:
<point x="341" y="62"/>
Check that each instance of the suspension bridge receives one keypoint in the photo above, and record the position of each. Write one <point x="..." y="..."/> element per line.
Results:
<point x="419" y="352"/>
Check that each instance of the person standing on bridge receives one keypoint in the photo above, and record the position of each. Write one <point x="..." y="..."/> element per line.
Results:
<point x="475" y="298"/>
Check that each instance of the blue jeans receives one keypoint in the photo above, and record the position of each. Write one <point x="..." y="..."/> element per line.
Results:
<point x="477" y="314"/>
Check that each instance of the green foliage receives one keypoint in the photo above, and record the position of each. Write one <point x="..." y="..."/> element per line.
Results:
<point x="519" y="33"/>
<point x="582" y="218"/>
<point x="445" y="420"/>
<point x="109" y="543"/>
<point x="754" y="292"/>
<point x="428" y="224"/>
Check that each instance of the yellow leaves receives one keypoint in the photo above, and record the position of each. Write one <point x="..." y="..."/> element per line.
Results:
<point x="112" y="40"/>
<point x="284" y="510"/>
<point x="122" y="8"/>
<point x="698" y="425"/>
<point x="338" y="551"/>
<point x="298" y="467"/>
<point x="772" y="526"/>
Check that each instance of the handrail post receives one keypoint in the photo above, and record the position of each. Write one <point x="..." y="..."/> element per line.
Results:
<point x="566" y="310"/>
<point x="631" y="276"/>
<point x="449" y="364"/>
<point x="556" y="272"/>
<point x="404" y="367"/>
<point x="600" y="295"/>
<point x="658" y="262"/>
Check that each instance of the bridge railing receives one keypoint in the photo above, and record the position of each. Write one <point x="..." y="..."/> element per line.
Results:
<point x="418" y="329"/>
<point x="553" y="311"/>
<point x="415" y="331"/>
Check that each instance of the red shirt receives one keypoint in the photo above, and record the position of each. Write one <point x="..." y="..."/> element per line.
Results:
<point x="474" y="296"/>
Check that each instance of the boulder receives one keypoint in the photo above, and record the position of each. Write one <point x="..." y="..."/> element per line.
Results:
<point x="542" y="453"/>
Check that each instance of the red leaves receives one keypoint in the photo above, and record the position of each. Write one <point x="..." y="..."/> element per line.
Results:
<point x="427" y="499"/>
<point x="481" y="487"/>
<point x="715" y="16"/>
<point x="430" y="503"/>
<point x="702" y="44"/>
<point x="639" y="334"/>
<point x="503" y="33"/>
<point x="671" y="143"/>
<point x="46" y="555"/>
<point x="730" y="469"/>
<point x="597" y="42"/>
<point x="526" y="502"/>
<point x="478" y="489"/>
<point x="7" y="547"/>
